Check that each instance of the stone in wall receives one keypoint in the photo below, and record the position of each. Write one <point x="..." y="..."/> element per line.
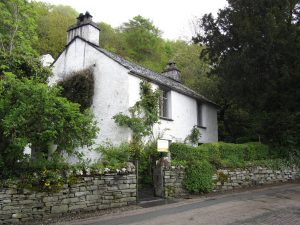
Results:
<point x="240" y="178"/>
<point x="89" y="193"/>
<point x="173" y="182"/>
<point x="225" y="180"/>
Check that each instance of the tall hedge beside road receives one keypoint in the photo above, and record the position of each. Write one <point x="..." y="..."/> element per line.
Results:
<point x="204" y="160"/>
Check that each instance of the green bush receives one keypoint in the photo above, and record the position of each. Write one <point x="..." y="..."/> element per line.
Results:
<point x="78" y="87"/>
<point x="201" y="161"/>
<point x="212" y="153"/>
<point x="33" y="112"/>
<point x="258" y="151"/>
<point x="42" y="162"/>
<point x="221" y="154"/>
<point x="274" y="164"/>
<point x="147" y="160"/>
<point x="114" y="156"/>
<point x="199" y="177"/>
<point x="180" y="151"/>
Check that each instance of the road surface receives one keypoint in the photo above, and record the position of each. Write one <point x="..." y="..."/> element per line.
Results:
<point x="270" y="205"/>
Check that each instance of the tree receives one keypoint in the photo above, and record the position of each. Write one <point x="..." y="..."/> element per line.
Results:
<point x="32" y="112"/>
<point x="17" y="27"/>
<point x="194" y="72"/>
<point x="143" y="40"/>
<point x="254" y="49"/>
<point x="52" y="22"/>
<point x="112" y="39"/>
<point x="24" y="66"/>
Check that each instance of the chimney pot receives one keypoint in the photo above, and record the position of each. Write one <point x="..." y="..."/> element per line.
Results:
<point x="84" y="28"/>
<point x="172" y="72"/>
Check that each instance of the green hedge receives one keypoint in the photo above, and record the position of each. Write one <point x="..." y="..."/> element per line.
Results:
<point x="198" y="177"/>
<point x="201" y="162"/>
<point x="220" y="154"/>
<point x="180" y="151"/>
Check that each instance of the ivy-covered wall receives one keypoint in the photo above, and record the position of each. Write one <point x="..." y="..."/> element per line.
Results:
<point x="78" y="87"/>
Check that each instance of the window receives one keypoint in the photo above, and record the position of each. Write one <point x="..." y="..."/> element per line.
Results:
<point x="199" y="115"/>
<point x="164" y="104"/>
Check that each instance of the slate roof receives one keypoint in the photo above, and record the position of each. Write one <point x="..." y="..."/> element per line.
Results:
<point x="83" y="24"/>
<point x="159" y="79"/>
<point x="148" y="74"/>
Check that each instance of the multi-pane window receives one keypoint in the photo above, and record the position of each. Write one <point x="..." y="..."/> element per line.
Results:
<point x="164" y="104"/>
<point x="199" y="115"/>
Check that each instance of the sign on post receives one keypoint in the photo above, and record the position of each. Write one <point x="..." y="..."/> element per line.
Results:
<point x="162" y="145"/>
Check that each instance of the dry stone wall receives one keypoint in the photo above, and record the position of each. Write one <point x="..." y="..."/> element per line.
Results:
<point x="228" y="180"/>
<point x="89" y="193"/>
<point x="225" y="180"/>
<point x="173" y="182"/>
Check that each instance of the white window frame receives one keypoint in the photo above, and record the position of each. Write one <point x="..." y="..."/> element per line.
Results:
<point x="200" y="114"/>
<point x="165" y="104"/>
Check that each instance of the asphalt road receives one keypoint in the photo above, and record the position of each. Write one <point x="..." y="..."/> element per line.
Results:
<point x="269" y="205"/>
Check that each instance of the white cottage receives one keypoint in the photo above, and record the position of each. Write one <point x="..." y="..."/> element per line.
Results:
<point x="117" y="88"/>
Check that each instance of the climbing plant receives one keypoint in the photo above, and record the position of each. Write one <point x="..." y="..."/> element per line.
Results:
<point x="78" y="87"/>
<point x="194" y="136"/>
<point x="142" y="116"/>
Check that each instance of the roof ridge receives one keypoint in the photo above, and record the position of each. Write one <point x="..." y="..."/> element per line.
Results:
<point x="121" y="60"/>
<point x="146" y="73"/>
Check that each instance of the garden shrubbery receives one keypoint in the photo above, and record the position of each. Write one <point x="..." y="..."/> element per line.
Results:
<point x="202" y="161"/>
<point x="220" y="154"/>
<point x="199" y="176"/>
<point x="114" y="156"/>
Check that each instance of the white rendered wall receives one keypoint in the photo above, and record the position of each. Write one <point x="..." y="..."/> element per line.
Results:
<point x="87" y="32"/>
<point x="73" y="59"/>
<point x="210" y="122"/>
<point x="111" y="89"/>
<point x="183" y="113"/>
<point x="116" y="90"/>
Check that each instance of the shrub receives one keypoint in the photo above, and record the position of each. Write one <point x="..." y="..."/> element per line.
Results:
<point x="33" y="112"/>
<point x="42" y="162"/>
<point x="43" y="181"/>
<point x="50" y="181"/>
<point x="257" y="151"/>
<point x="177" y="163"/>
<point x="274" y="164"/>
<point x="147" y="161"/>
<point x="199" y="177"/>
<point x="212" y="153"/>
<point x="79" y="88"/>
<point x="194" y="136"/>
<point x="244" y="152"/>
<point x="114" y="156"/>
<point x="181" y="151"/>
<point x="221" y="154"/>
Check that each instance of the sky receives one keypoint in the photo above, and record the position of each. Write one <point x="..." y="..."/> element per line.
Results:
<point x="173" y="17"/>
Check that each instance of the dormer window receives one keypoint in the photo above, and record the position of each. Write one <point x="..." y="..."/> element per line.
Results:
<point x="165" y="104"/>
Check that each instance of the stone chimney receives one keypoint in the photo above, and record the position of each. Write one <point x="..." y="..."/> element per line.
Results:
<point x="84" y="28"/>
<point x="172" y="72"/>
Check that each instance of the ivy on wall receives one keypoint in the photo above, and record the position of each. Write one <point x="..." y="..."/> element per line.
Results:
<point x="142" y="117"/>
<point x="78" y="87"/>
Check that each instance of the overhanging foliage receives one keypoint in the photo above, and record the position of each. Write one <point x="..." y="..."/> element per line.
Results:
<point x="78" y="87"/>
